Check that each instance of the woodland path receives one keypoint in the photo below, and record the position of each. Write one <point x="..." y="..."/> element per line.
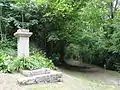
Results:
<point x="92" y="79"/>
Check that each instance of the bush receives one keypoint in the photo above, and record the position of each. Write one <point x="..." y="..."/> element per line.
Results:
<point x="32" y="62"/>
<point x="73" y="52"/>
<point x="10" y="64"/>
<point x="5" y="62"/>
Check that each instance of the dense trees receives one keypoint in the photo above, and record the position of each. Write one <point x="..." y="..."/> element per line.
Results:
<point x="79" y="29"/>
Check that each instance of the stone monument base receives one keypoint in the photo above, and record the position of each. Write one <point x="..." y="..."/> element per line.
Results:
<point x="40" y="76"/>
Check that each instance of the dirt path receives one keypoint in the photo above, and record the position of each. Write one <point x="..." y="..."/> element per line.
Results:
<point x="95" y="74"/>
<point x="95" y="79"/>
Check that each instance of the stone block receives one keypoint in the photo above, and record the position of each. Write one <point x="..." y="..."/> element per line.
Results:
<point x="31" y="73"/>
<point x="27" y="81"/>
<point x="51" y="77"/>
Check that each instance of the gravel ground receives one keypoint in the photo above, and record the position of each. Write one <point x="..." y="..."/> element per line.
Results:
<point x="9" y="81"/>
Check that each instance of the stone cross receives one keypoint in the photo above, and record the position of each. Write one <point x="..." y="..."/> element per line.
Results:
<point x="23" y="42"/>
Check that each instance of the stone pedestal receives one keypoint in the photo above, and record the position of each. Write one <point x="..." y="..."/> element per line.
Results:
<point x="40" y="76"/>
<point x="23" y="42"/>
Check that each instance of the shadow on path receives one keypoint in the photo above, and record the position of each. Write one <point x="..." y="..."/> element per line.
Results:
<point x="92" y="73"/>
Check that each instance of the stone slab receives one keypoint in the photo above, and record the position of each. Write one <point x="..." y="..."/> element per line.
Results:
<point x="31" y="73"/>
<point x="23" y="33"/>
<point x="52" y="77"/>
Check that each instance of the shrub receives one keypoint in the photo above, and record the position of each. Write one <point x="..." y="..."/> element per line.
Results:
<point x="32" y="62"/>
<point x="10" y="64"/>
<point x="73" y="52"/>
<point x="5" y="61"/>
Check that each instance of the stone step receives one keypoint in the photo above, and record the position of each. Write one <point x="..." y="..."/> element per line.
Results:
<point x="52" y="77"/>
<point x="31" y="73"/>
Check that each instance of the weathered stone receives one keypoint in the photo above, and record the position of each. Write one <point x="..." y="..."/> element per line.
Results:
<point x="29" y="73"/>
<point x="52" y="77"/>
<point x="27" y="81"/>
<point x="23" y="41"/>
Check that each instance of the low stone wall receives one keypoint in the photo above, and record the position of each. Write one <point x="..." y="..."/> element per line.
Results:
<point x="40" y="76"/>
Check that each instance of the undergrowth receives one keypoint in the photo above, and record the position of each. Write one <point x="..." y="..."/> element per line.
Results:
<point x="9" y="62"/>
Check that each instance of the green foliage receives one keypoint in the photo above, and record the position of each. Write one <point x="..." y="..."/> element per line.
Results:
<point x="88" y="27"/>
<point x="5" y="62"/>
<point x="56" y="59"/>
<point x="10" y="64"/>
<point x="73" y="52"/>
<point x="7" y="52"/>
<point x="31" y="63"/>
